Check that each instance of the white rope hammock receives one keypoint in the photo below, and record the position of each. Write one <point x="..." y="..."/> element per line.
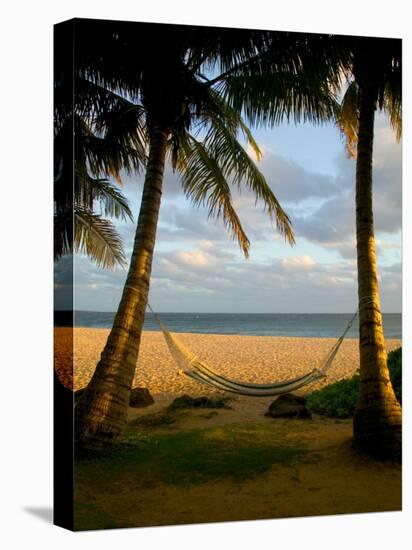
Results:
<point x="191" y="366"/>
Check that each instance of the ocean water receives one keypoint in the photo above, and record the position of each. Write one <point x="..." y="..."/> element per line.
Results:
<point x="315" y="325"/>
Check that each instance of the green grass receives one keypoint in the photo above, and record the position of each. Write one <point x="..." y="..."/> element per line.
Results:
<point x="165" y="419"/>
<point x="154" y="420"/>
<point x="338" y="400"/>
<point x="233" y="451"/>
<point x="145" y="458"/>
<point x="209" y="415"/>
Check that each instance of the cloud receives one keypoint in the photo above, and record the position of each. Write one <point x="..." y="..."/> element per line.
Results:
<point x="194" y="259"/>
<point x="230" y="284"/>
<point x="222" y="281"/>
<point x="332" y="224"/>
<point x="298" y="263"/>
<point x="292" y="183"/>
<point x="321" y="207"/>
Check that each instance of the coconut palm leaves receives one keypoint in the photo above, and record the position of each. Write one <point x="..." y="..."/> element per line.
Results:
<point x="107" y="139"/>
<point x="294" y="77"/>
<point x="210" y="167"/>
<point x="270" y="101"/>
<point x="78" y="228"/>
<point x="260" y="74"/>
<point x="389" y="102"/>
<point x="348" y="118"/>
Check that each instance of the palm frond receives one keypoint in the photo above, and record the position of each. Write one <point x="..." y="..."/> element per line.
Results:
<point x="105" y="155"/>
<point x="270" y="99"/>
<point x="392" y="103"/>
<point x="88" y="190"/>
<point x="97" y="238"/>
<point x="205" y="184"/>
<point x="237" y="166"/>
<point x="394" y="111"/>
<point x="207" y="168"/>
<point x="81" y="230"/>
<point x="124" y="126"/>
<point x="348" y="118"/>
<point x="377" y="63"/>
<point x="273" y="52"/>
<point x="220" y="113"/>
<point x="63" y="233"/>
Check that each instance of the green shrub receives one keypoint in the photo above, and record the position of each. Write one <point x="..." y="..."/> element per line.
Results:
<point x="338" y="400"/>
<point x="395" y="371"/>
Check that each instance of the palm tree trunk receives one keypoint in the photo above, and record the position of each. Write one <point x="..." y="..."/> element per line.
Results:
<point x="101" y="413"/>
<point x="377" y="421"/>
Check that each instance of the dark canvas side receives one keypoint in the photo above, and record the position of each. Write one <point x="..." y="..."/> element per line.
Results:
<point x="63" y="429"/>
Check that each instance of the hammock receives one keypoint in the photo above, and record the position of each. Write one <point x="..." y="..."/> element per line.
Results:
<point x="191" y="366"/>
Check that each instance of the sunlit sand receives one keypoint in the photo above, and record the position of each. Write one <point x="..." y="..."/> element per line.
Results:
<point x="251" y="358"/>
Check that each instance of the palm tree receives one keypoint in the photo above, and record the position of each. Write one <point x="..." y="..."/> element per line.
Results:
<point x="191" y="89"/>
<point x="99" y="153"/>
<point x="376" y="69"/>
<point x="77" y="225"/>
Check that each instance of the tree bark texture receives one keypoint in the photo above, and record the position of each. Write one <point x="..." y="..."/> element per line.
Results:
<point x="377" y="421"/>
<point x="101" y="413"/>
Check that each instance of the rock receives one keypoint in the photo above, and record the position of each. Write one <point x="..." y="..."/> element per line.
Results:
<point x="140" y="397"/>
<point x="187" y="402"/>
<point x="289" y="406"/>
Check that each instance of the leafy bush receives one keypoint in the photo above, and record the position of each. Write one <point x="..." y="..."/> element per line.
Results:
<point x="338" y="400"/>
<point x="395" y="371"/>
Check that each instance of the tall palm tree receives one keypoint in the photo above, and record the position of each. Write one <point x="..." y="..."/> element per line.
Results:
<point x="191" y="86"/>
<point x="377" y="84"/>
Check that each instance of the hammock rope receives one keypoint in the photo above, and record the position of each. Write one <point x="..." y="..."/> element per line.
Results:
<point x="191" y="366"/>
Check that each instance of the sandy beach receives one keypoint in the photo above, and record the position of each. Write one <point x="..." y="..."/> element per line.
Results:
<point x="250" y="358"/>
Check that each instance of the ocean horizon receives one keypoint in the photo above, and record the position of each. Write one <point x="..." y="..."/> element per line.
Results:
<point x="310" y="325"/>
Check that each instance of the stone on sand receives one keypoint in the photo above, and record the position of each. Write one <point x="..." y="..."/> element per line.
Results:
<point x="289" y="405"/>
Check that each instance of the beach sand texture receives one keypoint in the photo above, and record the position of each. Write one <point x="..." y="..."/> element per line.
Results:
<point x="256" y="359"/>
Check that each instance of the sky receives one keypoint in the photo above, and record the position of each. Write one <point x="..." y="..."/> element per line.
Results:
<point x="198" y="268"/>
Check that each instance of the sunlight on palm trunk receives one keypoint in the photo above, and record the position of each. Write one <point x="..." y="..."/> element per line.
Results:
<point x="102" y="411"/>
<point x="378" y="417"/>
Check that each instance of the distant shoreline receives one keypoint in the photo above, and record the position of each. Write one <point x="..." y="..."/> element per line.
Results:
<point x="307" y="325"/>
<point x="70" y="312"/>
<point x="150" y="331"/>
